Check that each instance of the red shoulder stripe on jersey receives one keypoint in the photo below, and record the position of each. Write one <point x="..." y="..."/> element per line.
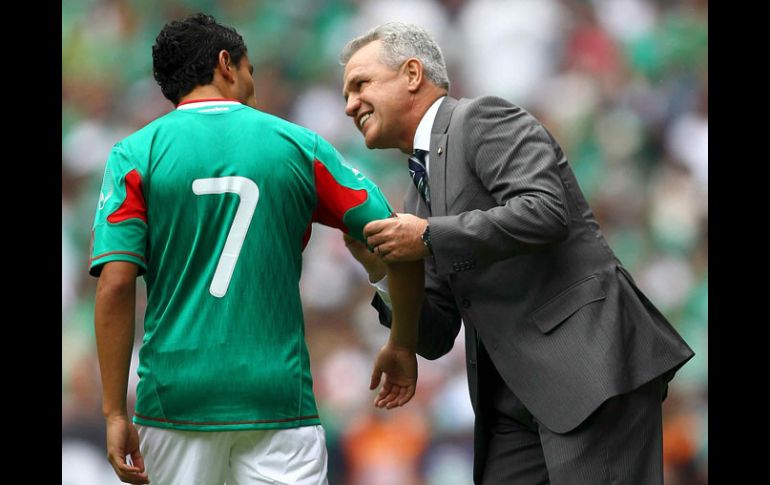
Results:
<point x="334" y="200"/>
<point x="133" y="206"/>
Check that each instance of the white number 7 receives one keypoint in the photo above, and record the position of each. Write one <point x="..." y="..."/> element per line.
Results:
<point x="248" y="192"/>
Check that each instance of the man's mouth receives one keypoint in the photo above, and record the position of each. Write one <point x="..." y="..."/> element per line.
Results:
<point x="363" y="119"/>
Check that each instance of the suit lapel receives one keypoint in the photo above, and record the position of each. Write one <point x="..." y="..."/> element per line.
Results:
<point x="438" y="155"/>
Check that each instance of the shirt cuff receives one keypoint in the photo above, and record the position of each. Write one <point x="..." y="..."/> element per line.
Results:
<point x="382" y="290"/>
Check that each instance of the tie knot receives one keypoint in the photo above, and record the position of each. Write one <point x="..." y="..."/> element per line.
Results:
<point x="420" y="154"/>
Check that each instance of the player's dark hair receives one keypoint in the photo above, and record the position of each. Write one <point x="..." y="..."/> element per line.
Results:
<point x="186" y="52"/>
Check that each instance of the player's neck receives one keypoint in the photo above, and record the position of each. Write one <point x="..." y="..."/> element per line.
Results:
<point x="207" y="92"/>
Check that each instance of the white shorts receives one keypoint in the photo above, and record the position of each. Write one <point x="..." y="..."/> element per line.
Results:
<point x="275" y="456"/>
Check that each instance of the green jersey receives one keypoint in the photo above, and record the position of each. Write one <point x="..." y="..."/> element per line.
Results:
<point x="214" y="203"/>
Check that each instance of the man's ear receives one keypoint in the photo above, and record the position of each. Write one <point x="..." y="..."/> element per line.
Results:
<point x="413" y="70"/>
<point x="225" y="65"/>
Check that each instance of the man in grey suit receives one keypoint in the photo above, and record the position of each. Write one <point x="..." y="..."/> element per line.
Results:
<point x="568" y="362"/>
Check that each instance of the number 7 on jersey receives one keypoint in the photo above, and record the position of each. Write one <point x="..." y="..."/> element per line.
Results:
<point x="248" y="194"/>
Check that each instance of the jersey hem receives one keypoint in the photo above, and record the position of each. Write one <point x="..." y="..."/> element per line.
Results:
<point x="228" y="426"/>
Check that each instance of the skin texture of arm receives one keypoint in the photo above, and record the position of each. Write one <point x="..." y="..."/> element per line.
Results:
<point x="397" y="358"/>
<point x="114" y="326"/>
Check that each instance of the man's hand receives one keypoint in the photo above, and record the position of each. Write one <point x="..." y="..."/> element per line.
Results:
<point x="371" y="263"/>
<point x="397" y="239"/>
<point x="122" y="440"/>
<point x="400" y="367"/>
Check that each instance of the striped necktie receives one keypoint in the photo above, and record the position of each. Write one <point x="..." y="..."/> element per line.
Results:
<point x="419" y="174"/>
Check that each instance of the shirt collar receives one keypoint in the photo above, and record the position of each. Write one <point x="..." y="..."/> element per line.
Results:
<point x="422" y="135"/>
<point x="204" y="103"/>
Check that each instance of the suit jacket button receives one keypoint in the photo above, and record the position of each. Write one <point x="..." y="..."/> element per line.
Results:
<point x="466" y="303"/>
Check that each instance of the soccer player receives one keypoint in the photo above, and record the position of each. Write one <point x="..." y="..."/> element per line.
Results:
<point x="212" y="204"/>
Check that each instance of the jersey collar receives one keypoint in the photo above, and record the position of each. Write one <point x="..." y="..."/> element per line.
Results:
<point x="203" y="103"/>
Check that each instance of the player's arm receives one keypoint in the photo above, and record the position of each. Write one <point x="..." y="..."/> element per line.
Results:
<point x="397" y="358"/>
<point x="348" y="200"/>
<point x="405" y="288"/>
<point x="119" y="239"/>
<point x="114" y="325"/>
<point x="114" y="316"/>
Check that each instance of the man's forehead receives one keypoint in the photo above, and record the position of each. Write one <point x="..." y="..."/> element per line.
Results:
<point x="352" y="72"/>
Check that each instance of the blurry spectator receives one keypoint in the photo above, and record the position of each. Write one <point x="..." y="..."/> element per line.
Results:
<point x="386" y="448"/>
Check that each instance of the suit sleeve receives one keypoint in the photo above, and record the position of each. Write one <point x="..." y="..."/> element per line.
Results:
<point x="346" y="199"/>
<point x="439" y="319"/>
<point x="516" y="160"/>
<point x="120" y="226"/>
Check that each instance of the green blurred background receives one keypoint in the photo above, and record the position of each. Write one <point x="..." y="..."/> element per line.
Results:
<point x="622" y="85"/>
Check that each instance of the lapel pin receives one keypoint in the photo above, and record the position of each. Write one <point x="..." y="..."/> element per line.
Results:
<point x="439" y="150"/>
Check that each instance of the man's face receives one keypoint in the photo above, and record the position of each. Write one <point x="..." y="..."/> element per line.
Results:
<point x="244" y="86"/>
<point x="376" y="98"/>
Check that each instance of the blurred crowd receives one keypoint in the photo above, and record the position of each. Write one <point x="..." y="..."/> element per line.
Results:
<point x="621" y="84"/>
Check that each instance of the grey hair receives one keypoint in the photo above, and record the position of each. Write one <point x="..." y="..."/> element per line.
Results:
<point x="401" y="41"/>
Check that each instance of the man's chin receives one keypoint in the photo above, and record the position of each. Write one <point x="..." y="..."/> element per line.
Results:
<point x="373" y="143"/>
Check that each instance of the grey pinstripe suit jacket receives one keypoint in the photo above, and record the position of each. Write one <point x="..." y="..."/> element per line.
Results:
<point x="518" y="255"/>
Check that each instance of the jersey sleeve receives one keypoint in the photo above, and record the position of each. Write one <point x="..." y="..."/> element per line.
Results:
<point x="120" y="226"/>
<point x="346" y="199"/>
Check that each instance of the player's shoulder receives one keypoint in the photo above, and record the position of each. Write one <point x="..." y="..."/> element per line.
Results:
<point x="275" y="126"/>
<point x="284" y="126"/>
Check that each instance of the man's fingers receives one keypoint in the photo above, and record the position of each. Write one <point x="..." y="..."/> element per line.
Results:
<point x="129" y="473"/>
<point x="137" y="479"/>
<point x="393" y="395"/>
<point x="374" y="227"/>
<point x="385" y="394"/>
<point x="406" y="395"/>
<point x="377" y="240"/>
<point x="397" y="397"/>
<point x="375" y="381"/>
<point x="138" y="460"/>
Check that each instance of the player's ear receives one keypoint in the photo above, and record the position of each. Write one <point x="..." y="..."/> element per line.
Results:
<point x="225" y="65"/>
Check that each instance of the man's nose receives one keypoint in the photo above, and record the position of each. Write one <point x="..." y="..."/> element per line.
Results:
<point x="352" y="105"/>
